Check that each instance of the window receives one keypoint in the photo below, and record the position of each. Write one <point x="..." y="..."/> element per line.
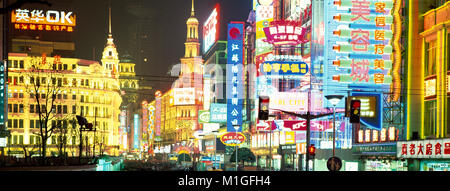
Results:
<point x="31" y="139"/>
<point x="32" y="124"/>
<point x="65" y="96"/>
<point x="82" y="99"/>
<point x="430" y="58"/>
<point x="31" y="108"/>
<point x="15" y="140"/>
<point x="21" y="63"/>
<point x="37" y="124"/>
<point x="10" y="108"/>
<point x="65" y="66"/>
<point x="21" y="139"/>
<point x="21" y="80"/>
<point x="20" y="95"/>
<point x="21" y="108"/>
<point x="59" y="96"/>
<point x="74" y="97"/>
<point x="53" y="140"/>
<point x="74" y="66"/>
<point x="15" y="64"/>
<point x="74" y="82"/>
<point x="59" y="111"/>
<point x="87" y="82"/>
<point x="21" y="123"/>
<point x="10" y="123"/>
<point x="65" y="109"/>
<point x="16" y="109"/>
<point x="16" y="122"/>
<point x="74" y="109"/>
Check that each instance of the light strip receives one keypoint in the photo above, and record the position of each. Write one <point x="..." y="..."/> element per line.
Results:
<point x="397" y="52"/>
<point x="408" y="100"/>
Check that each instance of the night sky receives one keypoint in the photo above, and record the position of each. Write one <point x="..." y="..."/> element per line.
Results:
<point x="167" y="32"/>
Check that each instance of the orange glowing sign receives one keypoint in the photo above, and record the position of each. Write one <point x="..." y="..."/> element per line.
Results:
<point x="38" y="20"/>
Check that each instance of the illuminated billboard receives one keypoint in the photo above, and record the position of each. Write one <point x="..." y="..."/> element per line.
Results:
<point x="39" y="20"/>
<point x="136" y="132"/>
<point x="234" y="76"/>
<point x="183" y="96"/>
<point x="361" y="47"/>
<point x="211" y="29"/>
<point x="371" y="109"/>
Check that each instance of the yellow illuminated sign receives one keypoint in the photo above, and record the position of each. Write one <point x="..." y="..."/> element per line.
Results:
<point x="39" y="20"/>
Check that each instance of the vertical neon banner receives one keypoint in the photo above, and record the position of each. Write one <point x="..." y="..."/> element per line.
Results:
<point x="158" y="116"/>
<point x="136" y="132"/>
<point x="234" y="85"/>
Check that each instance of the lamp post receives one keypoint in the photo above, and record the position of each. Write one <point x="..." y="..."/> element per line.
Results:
<point x="215" y="145"/>
<point x="334" y="100"/>
<point x="236" y="127"/>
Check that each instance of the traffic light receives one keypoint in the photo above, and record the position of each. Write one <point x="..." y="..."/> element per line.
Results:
<point x="312" y="151"/>
<point x="355" y="111"/>
<point x="263" y="113"/>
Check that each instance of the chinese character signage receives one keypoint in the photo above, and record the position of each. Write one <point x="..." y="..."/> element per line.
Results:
<point x="39" y="20"/>
<point x="285" y="33"/>
<point x="218" y="113"/>
<point x="283" y="68"/>
<point x="232" y="138"/>
<point x="2" y="93"/>
<point x="183" y="96"/>
<point x="211" y="29"/>
<point x="136" y="132"/>
<point x="424" y="149"/>
<point x="235" y="90"/>
<point x="360" y="46"/>
<point x="151" y="121"/>
<point x="157" y="118"/>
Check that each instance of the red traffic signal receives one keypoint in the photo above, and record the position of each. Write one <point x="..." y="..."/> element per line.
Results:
<point x="312" y="150"/>
<point x="355" y="111"/>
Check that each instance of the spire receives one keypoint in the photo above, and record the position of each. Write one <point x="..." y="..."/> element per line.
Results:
<point x="192" y="10"/>
<point x="110" y="33"/>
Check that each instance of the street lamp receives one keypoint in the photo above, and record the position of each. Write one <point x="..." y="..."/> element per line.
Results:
<point x="334" y="100"/>
<point x="215" y="145"/>
<point x="236" y="127"/>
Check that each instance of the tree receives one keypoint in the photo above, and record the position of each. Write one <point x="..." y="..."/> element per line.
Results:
<point x="244" y="155"/>
<point x="44" y="89"/>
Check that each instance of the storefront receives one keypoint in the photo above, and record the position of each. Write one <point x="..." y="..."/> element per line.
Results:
<point x="379" y="157"/>
<point x="425" y="155"/>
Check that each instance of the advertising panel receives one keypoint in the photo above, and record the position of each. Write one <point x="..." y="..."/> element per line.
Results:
<point x="183" y="96"/>
<point x="136" y="132"/>
<point x="439" y="148"/>
<point x="218" y="113"/>
<point x="203" y="116"/>
<point x="232" y="139"/>
<point x="235" y="90"/>
<point x="361" y="47"/>
<point x="371" y="109"/>
<point x="158" y="116"/>
<point x="211" y="29"/>
<point x="40" y="20"/>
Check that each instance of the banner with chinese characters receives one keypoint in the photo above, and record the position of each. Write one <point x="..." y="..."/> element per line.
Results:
<point x="283" y="68"/>
<point x="234" y="85"/>
<point x="439" y="148"/>
<point x="361" y="46"/>
<point x="40" y="20"/>
<point x="285" y="32"/>
<point x="218" y="113"/>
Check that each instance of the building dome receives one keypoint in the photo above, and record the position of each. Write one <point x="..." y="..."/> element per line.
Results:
<point x="192" y="20"/>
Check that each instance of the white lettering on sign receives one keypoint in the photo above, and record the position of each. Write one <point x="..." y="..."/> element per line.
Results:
<point x="38" y="17"/>
<point x="424" y="149"/>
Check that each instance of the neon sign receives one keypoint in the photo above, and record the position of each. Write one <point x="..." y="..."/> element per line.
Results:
<point x="285" y="33"/>
<point x="235" y="83"/>
<point x="36" y="20"/>
<point x="211" y="29"/>
<point x="232" y="139"/>
<point x="284" y="68"/>
<point x="361" y="43"/>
